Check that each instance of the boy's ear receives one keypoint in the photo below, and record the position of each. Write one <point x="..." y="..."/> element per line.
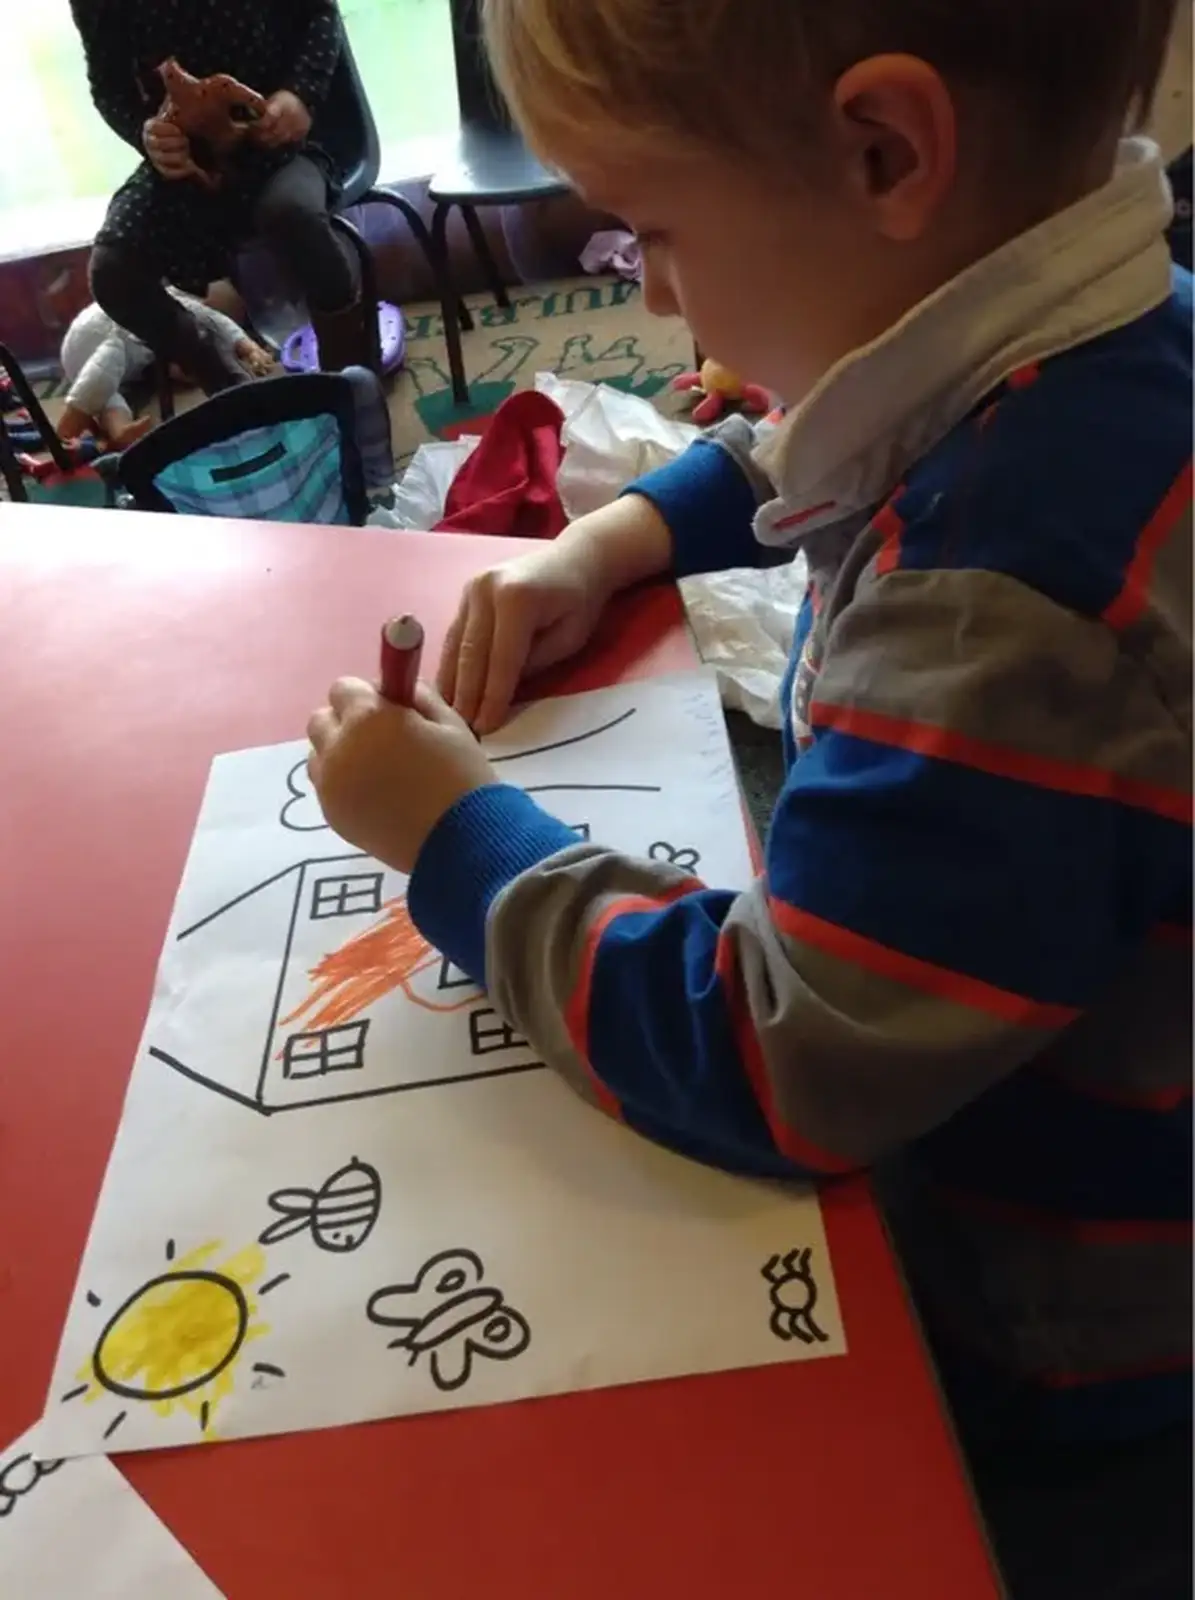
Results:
<point x="897" y="124"/>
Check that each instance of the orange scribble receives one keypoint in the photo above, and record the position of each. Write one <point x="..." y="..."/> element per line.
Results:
<point x="371" y="965"/>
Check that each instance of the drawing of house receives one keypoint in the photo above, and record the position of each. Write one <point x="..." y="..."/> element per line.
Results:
<point x="314" y="986"/>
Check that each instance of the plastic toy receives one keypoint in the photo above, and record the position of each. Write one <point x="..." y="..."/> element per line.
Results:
<point x="215" y="113"/>
<point x="720" y="388"/>
<point x="300" y="353"/>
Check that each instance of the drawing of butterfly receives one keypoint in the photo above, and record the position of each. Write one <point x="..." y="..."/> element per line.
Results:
<point x="449" y="1315"/>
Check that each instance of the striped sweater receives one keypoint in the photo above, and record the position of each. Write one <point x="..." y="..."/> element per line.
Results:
<point x="971" y="941"/>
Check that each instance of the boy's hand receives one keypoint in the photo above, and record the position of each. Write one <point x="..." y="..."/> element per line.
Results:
<point x="168" y="149"/>
<point x="286" y="120"/>
<point x="385" y="775"/>
<point x="517" y="619"/>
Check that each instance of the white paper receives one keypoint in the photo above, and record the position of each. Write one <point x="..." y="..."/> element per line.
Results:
<point x="409" y="1213"/>
<point x="75" y="1530"/>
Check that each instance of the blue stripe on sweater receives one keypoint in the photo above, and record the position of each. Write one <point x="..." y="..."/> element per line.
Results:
<point x="662" y="1040"/>
<point x="1033" y="1141"/>
<point x="995" y="1406"/>
<point x="709" y="507"/>
<point x="1066" y="520"/>
<point x="986" y="876"/>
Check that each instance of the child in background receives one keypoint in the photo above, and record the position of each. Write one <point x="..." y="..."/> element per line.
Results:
<point x="918" y="223"/>
<point x="99" y="358"/>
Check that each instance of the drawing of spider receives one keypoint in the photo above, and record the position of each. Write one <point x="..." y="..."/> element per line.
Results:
<point x="793" y="1295"/>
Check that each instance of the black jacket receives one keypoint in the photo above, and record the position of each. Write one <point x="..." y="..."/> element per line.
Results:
<point x="267" y="44"/>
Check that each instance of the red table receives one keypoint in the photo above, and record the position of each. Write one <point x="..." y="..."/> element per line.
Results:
<point x="132" y="649"/>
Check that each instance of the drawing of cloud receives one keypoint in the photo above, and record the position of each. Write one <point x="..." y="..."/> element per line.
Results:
<point x="301" y="812"/>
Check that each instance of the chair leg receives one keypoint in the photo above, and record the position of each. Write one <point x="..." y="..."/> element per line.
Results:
<point x="10" y="467"/>
<point x="445" y="287"/>
<point x="36" y="410"/>
<point x="485" y="256"/>
<point x="445" y="282"/>
<point x="453" y="310"/>
<point x="448" y="303"/>
<point x="369" y="290"/>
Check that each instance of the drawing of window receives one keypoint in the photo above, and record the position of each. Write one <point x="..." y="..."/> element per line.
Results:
<point x="310" y="1055"/>
<point x="581" y="829"/>
<point x="489" y="1034"/>
<point x="348" y="895"/>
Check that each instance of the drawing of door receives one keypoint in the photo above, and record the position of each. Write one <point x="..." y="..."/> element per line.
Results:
<point x="315" y="986"/>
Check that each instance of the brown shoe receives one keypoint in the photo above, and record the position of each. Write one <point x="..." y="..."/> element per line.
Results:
<point x="343" y="337"/>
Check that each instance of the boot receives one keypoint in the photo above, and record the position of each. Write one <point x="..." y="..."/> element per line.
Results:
<point x="343" y="337"/>
<point x="195" y="350"/>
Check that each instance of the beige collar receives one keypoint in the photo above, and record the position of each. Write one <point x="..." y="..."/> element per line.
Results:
<point x="1093" y="267"/>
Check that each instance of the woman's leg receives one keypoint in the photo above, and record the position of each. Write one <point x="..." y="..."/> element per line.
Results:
<point x="129" y="289"/>
<point x="292" y="218"/>
<point x="126" y="286"/>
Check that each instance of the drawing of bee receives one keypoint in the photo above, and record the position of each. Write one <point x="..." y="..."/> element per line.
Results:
<point x="340" y="1214"/>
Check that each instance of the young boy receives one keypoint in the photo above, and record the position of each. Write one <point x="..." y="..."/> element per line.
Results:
<point x="917" y="223"/>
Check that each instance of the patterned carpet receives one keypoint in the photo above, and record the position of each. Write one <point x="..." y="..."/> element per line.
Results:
<point x="589" y="328"/>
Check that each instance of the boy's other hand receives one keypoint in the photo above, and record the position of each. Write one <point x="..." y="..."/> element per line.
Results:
<point x="168" y="149"/>
<point x="513" y="620"/>
<point x="286" y="120"/>
<point x="385" y="775"/>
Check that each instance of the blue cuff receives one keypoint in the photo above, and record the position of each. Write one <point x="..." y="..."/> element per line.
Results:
<point x="709" y="507"/>
<point x="479" y="845"/>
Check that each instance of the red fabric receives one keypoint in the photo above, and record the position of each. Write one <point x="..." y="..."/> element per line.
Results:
<point x="508" y="485"/>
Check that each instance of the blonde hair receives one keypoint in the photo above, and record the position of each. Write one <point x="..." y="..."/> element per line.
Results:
<point x="752" y="76"/>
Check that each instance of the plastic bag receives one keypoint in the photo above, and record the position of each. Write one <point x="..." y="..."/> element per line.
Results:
<point x="609" y="438"/>
<point x="423" y="489"/>
<point x="743" y="622"/>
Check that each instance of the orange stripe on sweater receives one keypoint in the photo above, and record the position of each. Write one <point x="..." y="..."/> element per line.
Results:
<point x="1081" y="1230"/>
<point x="1130" y="602"/>
<point x="787" y="1140"/>
<point x="1167" y="1098"/>
<point x="914" y="973"/>
<point x="1024" y="376"/>
<point x="576" y="1012"/>
<point x="1166" y="1368"/>
<point x="1171" y="933"/>
<point x="1002" y="761"/>
<point x="889" y="524"/>
<point x="796" y="518"/>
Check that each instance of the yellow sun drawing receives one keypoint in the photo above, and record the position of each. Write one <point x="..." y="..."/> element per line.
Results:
<point x="177" y="1340"/>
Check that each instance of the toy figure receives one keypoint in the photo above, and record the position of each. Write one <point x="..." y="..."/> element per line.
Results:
<point x="216" y="114"/>
<point x="720" y="387"/>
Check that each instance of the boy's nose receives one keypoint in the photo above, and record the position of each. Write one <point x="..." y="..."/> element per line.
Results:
<point x="659" y="297"/>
